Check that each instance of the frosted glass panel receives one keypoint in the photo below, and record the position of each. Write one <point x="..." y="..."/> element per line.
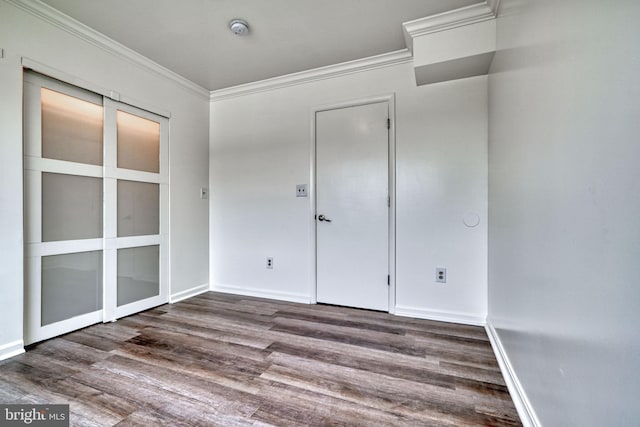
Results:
<point x="71" y="128"/>
<point x="138" y="208"/>
<point x="71" y="207"/>
<point x="138" y="143"/>
<point x="138" y="273"/>
<point x="71" y="285"/>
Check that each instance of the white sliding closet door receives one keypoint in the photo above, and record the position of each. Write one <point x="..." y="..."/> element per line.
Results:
<point x="136" y="215"/>
<point x="95" y="214"/>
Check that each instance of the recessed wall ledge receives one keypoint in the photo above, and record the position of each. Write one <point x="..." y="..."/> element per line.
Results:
<point x="452" y="45"/>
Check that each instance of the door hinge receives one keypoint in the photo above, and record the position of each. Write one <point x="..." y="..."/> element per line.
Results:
<point x="388" y="201"/>
<point x="388" y="280"/>
<point x="388" y="123"/>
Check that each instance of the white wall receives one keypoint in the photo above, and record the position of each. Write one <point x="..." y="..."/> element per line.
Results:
<point x="22" y="34"/>
<point x="260" y="149"/>
<point x="564" y="232"/>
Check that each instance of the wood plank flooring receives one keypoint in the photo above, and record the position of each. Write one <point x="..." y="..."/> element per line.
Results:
<point x="226" y="360"/>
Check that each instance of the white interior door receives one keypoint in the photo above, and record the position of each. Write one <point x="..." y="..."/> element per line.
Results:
<point x="96" y="208"/>
<point x="352" y="206"/>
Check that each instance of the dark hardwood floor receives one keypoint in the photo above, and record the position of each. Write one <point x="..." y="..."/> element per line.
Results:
<point x="227" y="360"/>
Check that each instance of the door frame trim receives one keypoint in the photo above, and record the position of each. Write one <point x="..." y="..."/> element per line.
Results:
<point x="390" y="99"/>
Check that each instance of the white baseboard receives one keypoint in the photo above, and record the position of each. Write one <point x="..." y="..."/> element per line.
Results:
<point x="441" y="316"/>
<point x="262" y="293"/>
<point x="519" y="397"/>
<point x="11" y="349"/>
<point x="182" y="295"/>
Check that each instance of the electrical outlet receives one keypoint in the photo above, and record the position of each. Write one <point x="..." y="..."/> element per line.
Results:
<point x="269" y="262"/>
<point x="301" y="190"/>
<point x="441" y="275"/>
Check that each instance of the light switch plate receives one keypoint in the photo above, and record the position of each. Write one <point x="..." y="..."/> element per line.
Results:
<point x="301" y="190"/>
<point x="204" y="193"/>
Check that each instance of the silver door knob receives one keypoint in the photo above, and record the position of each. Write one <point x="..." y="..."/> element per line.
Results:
<point x="323" y="218"/>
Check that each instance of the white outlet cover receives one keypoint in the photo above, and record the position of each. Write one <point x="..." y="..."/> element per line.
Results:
<point x="301" y="190"/>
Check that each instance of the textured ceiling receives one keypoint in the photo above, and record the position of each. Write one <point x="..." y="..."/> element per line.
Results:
<point x="192" y="38"/>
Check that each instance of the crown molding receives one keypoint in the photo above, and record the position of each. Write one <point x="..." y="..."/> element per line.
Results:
<point x="448" y="20"/>
<point x="66" y="23"/>
<point x="443" y="21"/>
<point x="327" y="72"/>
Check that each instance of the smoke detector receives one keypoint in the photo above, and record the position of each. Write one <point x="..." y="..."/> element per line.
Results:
<point x="239" y="27"/>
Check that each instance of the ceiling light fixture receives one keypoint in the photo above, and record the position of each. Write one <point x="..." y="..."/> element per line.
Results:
<point x="239" y="27"/>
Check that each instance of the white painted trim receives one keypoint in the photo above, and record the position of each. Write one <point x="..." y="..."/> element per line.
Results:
<point x="392" y="205"/>
<point x="390" y="100"/>
<point x="62" y="82"/>
<point x="40" y="333"/>
<point x="188" y="293"/>
<point x="440" y="316"/>
<point x="64" y="22"/>
<point x="136" y="306"/>
<point x="303" y="77"/>
<point x="520" y="399"/>
<point x="132" y="241"/>
<point x="165" y="221"/>
<point x="32" y="202"/>
<point x="262" y="293"/>
<point x="312" y="224"/>
<point x="139" y="176"/>
<point x="494" y="5"/>
<point x="73" y="82"/>
<point x="43" y="164"/>
<point x="210" y="208"/>
<point x="63" y="247"/>
<point x="11" y="349"/>
<point x="448" y="20"/>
